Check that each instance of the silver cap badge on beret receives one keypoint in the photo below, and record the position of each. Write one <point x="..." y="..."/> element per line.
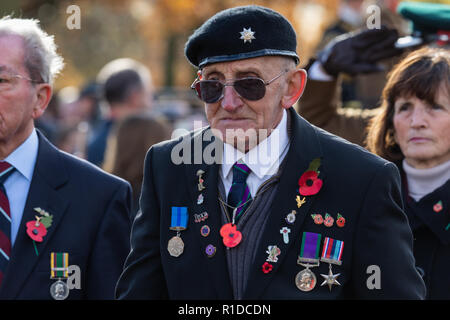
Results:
<point x="247" y="35"/>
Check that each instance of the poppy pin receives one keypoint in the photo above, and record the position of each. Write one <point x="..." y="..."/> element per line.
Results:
<point x="309" y="182"/>
<point x="231" y="236"/>
<point x="37" y="229"/>
<point x="267" y="267"/>
<point x="438" y="207"/>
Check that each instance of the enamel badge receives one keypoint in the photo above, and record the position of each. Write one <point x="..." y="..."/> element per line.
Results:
<point x="247" y="35"/>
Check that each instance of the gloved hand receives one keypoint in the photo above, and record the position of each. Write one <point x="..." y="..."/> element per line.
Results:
<point x="359" y="51"/>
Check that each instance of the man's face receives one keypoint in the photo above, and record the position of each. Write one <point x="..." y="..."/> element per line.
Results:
<point x="17" y="95"/>
<point x="233" y="112"/>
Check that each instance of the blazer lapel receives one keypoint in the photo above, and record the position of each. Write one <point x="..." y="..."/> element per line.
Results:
<point x="216" y="264"/>
<point x="49" y="174"/>
<point x="304" y="147"/>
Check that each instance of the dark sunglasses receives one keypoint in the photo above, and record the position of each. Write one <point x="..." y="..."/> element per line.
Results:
<point x="251" y="88"/>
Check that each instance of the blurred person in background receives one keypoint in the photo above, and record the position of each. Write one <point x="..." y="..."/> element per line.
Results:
<point x="127" y="89"/>
<point x="412" y="130"/>
<point x="57" y="210"/>
<point x="361" y="90"/>
<point x="363" y="52"/>
<point x="125" y="155"/>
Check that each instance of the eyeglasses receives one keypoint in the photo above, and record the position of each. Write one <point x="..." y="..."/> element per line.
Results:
<point x="251" y="88"/>
<point x="6" y="80"/>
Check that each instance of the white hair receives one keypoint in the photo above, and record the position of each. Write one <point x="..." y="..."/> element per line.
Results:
<point x="40" y="56"/>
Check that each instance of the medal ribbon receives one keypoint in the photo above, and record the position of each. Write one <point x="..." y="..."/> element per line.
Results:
<point x="310" y="247"/>
<point x="332" y="251"/>
<point x="179" y="218"/>
<point x="59" y="263"/>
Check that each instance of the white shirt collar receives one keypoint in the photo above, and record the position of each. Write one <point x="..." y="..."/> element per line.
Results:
<point x="24" y="157"/>
<point x="265" y="158"/>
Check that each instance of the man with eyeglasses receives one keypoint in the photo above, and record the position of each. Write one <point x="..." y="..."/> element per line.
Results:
<point x="285" y="210"/>
<point x="64" y="223"/>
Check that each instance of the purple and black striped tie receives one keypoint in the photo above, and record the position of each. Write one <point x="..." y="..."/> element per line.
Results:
<point x="5" y="219"/>
<point x="239" y="195"/>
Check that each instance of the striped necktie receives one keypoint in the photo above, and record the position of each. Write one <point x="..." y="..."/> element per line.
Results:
<point x="239" y="195"/>
<point x="5" y="219"/>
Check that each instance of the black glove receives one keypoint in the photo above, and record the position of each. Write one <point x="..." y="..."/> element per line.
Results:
<point x="359" y="51"/>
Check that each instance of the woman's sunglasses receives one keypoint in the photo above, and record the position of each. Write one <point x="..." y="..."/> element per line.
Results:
<point x="251" y="88"/>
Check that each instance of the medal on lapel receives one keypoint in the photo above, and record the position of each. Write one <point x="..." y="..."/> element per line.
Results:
<point x="59" y="269"/>
<point x="178" y="224"/>
<point x="332" y="254"/>
<point x="306" y="280"/>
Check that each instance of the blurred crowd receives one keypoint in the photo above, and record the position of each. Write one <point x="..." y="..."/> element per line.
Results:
<point x="113" y="120"/>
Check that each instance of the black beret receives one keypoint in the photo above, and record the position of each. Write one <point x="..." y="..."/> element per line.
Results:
<point x="241" y="33"/>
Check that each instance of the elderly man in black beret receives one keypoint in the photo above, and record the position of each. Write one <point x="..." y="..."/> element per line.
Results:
<point x="261" y="204"/>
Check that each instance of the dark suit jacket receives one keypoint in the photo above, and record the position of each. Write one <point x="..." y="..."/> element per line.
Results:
<point x="363" y="188"/>
<point x="91" y="222"/>
<point x="431" y="231"/>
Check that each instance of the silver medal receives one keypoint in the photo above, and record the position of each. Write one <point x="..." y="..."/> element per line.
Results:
<point x="305" y="280"/>
<point x="59" y="290"/>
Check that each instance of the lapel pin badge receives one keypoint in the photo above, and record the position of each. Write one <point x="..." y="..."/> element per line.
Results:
<point x="273" y="252"/>
<point x="290" y="218"/>
<point x="201" y="187"/>
<point x="200" y="198"/>
<point x="285" y="233"/>
<point x="210" y="251"/>
<point x="438" y="207"/>
<point x="267" y="267"/>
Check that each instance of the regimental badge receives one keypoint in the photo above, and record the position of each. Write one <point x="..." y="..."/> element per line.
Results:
<point x="331" y="254"/>
<point x="200" y="199"/>
<point x="59" y="269"/>
<point x="308" y="257"/>
<point x="300" y="201"/>
<point x="179" y="222"/>
<point x="200" y="173"/>
<point x="247" y="35"/>
<point x="273" y="252"/>
<point x="285" y="233"/>
<point x="290" y="218"/>
<point x="200" y="217"/>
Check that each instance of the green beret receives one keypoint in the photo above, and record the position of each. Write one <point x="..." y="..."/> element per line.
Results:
<point x="426" y="17"/>
<point x="241" y="33"/>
